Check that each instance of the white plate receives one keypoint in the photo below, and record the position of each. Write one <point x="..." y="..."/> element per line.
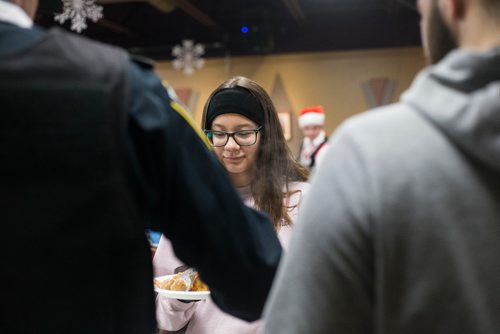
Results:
<point x="186" y="295"/>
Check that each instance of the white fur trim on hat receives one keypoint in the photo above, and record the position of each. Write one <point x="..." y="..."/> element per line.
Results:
<point x="311" y="118"/>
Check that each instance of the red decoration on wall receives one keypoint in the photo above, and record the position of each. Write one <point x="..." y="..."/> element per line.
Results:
<point x="378" y="91"/>
<point x="187" y="97"/>
<point x="283" y="106"/>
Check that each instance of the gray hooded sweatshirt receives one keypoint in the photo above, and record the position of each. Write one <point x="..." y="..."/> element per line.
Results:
<point x="400" y="232"/>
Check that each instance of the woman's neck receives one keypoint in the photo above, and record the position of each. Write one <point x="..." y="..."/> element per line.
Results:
<point x="240" y="180"/>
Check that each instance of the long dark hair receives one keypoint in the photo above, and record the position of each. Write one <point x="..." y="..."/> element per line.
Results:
<point x="274" y="166"/>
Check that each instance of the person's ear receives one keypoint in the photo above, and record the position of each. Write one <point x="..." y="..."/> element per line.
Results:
<point x="452" y="11"/>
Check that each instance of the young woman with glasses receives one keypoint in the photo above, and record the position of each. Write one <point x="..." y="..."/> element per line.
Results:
<point x="242" y="125"/>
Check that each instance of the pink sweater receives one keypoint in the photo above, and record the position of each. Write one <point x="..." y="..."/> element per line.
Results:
<point x="204" y="317"/>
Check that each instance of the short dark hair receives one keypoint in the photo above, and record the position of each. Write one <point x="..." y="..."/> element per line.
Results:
<point x="491" y="5"/>
<point x="412" y="4"/>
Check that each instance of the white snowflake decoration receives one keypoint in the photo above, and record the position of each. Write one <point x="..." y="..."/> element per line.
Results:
<point x="79" y="11"/>
<point x="188" y="56"/>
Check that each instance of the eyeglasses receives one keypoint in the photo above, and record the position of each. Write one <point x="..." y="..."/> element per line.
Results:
<point x="242" y="137"/>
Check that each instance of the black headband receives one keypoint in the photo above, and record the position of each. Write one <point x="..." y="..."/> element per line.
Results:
<point x="235" y="100"/>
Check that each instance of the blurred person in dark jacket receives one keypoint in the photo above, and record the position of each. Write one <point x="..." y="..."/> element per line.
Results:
<point x="93" y="151"/>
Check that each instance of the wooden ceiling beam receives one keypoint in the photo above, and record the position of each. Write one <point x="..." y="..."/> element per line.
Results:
<point x="193" y="11"/>
<point x="295" y="10"/>
<point x="114" y="27"/>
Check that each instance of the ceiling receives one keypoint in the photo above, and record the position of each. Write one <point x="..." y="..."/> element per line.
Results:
<point x="152" y="27"/>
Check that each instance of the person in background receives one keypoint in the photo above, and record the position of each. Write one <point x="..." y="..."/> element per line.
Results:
<point x="242" y="125"/>
<point x="311" y="121"/>
<point x="93" y="152"/>
<point x="400" y="232"/>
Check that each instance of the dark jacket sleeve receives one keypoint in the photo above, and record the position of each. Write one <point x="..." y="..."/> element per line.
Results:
<point x="187" y="195"/>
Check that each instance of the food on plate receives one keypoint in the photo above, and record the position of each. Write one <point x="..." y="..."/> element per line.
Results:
<point x="198" y="284"/>
<point x="188" y="280"/>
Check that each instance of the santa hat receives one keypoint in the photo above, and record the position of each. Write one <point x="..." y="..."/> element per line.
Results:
<point x="311" y="116"/>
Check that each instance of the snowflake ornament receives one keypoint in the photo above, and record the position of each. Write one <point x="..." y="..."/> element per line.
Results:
<point x="79" y="11"/>
<point x="188" y="56"/>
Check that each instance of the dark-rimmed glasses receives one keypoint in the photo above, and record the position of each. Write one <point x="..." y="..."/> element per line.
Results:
<point x="242" y="137"/>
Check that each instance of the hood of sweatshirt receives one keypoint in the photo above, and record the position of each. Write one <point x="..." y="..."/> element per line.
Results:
<point x="461" y="96"/>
